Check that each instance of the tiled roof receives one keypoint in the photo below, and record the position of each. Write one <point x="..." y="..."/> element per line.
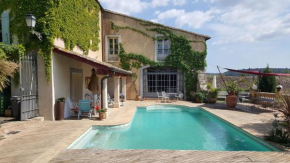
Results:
<point x="91" y="60"/>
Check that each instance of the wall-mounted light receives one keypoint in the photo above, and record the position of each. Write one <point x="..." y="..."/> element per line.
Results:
<point x="31" y="22"/>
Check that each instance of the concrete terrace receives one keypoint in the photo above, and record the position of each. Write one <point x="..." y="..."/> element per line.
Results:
<point x="46" y="141"/>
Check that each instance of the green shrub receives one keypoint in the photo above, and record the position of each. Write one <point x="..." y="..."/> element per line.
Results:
<point x="267" y="83"/>
<point x="278" y="134"/>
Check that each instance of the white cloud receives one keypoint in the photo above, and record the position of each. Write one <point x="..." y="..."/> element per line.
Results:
<point x="178" y="2"/>
<point x="154" y="20"/>
<point x="125" y="6"/>
<point x="251" y="21"/>
<point x="194" y="19"/>
<point x="173" y="13"/>
<point x="156" y="3"/>
<point x="157" y="12"/>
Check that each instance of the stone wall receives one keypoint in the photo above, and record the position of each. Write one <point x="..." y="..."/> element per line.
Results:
<point x="137" y="43"/>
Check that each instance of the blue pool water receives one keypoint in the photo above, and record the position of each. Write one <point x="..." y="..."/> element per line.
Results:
<point x="172" y="127"/>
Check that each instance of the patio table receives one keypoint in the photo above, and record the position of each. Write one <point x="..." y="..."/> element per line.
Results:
<point x="171" y="94"/>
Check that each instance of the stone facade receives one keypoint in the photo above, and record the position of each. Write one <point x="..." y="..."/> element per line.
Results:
<point x="139" y="44"/>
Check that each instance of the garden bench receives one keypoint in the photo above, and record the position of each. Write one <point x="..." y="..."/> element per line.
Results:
<point x="222" y="95"/>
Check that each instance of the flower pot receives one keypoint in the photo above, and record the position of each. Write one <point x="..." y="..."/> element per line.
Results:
<point x="231" y="101"/>
<point x="60" y="111"/>
<point x="102" y="115"/>
<point x="197" y="100"/>
<point x="212" y="100"/>
<point x="138" y="98"/>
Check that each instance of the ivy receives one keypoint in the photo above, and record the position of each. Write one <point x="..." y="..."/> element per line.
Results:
<point x="75" y="21"/>
<point x="182" y="56"/>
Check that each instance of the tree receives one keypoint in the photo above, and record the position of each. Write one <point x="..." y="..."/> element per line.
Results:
<point x="9" y="55"/>
<point x="267" y="83"/>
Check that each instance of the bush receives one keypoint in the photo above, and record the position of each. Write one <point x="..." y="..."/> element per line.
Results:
<point x="201" y="96"/>
<point x="267" y="83"/>
<point x="278" y="134"/>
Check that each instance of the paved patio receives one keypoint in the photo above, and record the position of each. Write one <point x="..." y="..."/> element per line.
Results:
<point x="44" y="141"/>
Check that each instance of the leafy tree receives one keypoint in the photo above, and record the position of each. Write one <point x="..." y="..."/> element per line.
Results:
<point x="268" y="83"/>
<point x="9" y="54"/>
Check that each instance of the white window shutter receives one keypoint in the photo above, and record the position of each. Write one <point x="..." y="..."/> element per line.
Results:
<point x="5" y="27"/>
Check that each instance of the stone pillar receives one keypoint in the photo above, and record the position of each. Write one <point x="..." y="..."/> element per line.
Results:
<point x="116" y="91"/>
<point x="46" y="97"/>
<point x="124" y="87"/>
<point x="105" y="94"/>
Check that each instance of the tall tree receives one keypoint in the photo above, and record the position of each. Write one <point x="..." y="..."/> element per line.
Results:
<point x="9" y="55"/>
<point x="267" y="83"/>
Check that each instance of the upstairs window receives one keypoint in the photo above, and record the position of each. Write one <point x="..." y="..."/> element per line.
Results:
<point x="113" y="48"/>
<point x="162" y="48"/>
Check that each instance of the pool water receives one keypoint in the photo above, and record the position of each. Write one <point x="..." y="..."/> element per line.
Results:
<point x="172" y="127"/>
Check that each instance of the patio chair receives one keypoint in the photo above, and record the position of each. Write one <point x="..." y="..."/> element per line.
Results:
<point x="73" y="107"/>
<point x="110" y="100"/>
<point x="179" y="96"/>
<point x="85" y="108"/>
<point x="159" y="95"/>
<point x="164" y="96"/>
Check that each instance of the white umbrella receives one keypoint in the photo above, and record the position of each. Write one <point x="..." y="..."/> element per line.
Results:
<point x="214" y="82"/>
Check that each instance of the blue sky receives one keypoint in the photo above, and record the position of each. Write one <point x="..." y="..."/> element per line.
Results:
<point x="245" y="33"/>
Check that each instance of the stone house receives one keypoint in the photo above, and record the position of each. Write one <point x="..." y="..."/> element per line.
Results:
<point x="71" y="69"/>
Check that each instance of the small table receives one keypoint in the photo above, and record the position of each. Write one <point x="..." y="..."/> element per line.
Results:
<point x="172" y="94"/>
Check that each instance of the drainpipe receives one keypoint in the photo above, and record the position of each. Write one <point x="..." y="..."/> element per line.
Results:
<point x="102" y="80"/>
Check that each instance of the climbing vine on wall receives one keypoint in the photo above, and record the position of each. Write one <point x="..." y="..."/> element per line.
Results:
<point x="75" y="21"/>
<point x="182" y="56"/>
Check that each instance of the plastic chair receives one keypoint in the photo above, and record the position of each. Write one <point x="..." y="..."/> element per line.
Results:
<point x="164" y="96"/>
<point x="158" y="95"/>
<point x="110" y="100"/>
<point x="179" y="96"/>
<point x="85" y="107"/>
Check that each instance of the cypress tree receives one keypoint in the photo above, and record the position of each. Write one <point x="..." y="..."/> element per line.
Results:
<point x="267" y="83"/>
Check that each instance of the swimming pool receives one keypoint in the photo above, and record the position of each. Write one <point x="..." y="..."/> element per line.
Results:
<point x="172" y="127"/>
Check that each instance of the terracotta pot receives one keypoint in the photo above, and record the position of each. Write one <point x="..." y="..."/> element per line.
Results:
<point x="60" y="111"/>
<point x="231" y="101"/>
<point x="197" y="100"/>
<point x="212" y="100"/>
<point x="102" y="115"/>
<point x="138" y="98"/>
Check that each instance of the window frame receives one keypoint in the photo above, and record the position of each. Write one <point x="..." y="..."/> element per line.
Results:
<point x="108" y="37"/>
<point x="156" y="47"/>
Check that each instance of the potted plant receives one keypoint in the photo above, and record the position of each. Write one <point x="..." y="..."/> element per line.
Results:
<point x="60" y="108"/>
<point x="199" y="97"/>
<point x="102" y="113"/>
<point x="233" y="90"/>
<point x="212" y="93"/>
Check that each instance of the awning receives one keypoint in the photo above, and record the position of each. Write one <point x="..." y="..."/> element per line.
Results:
<point x="103" y="67"/>
<point x="257" y="73"/>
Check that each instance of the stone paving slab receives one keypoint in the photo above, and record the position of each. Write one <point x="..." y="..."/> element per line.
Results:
<point x="43" y="141"/>
<point x="144" y="156"/>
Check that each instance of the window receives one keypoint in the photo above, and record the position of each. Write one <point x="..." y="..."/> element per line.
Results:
<point x="113" y="48"/>
<point x="162" y="48"/>
<point x="157" y="80"/>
